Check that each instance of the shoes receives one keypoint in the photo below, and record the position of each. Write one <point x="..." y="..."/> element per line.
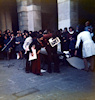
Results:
<point x="49" y="71"/>
<point x="85" y="69"/>
<point x="40" y="74"/>
<point x="43" y="70"/>
<point x="57" y="71"/>
<point x="27" y="71"/>
<point x="91" y="69"/>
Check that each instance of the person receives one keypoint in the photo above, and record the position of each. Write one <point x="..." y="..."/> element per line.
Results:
<point x="87" y="26"/>
<point x="1" y="42"/>
<point x="90" y="30"/>
<point x="72" y="41"/>
<point x="52" y="53"/>
<point x="18" y="48"/>
<point x="64" y="40"/>
<point x="8" y="48"/>
<point x="26" y="44"/>
<point x="37" y="44"/>
<point x="88" y="49"/>
<point x="13" y="54"/>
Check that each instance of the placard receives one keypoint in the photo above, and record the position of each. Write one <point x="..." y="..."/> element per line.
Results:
<point x="54" y="42"/>
<point x="34" y="54"/>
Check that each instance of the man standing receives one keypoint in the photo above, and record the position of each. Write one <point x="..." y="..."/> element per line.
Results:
<point x="26" y="44"/>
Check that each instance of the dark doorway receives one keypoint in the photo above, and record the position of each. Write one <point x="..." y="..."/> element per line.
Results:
<point x="49" y="14"/>
<point x="10" y="6"/>
<point x="14" y="16"/>
<point x="86" y="11"/>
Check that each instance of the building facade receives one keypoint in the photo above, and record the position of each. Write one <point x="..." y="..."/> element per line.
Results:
<point x="34" y="15"/>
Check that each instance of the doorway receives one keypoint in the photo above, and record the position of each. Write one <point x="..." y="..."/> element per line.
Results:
<point x="8" y="15"/>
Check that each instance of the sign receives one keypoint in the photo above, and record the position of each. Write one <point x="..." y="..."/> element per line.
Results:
<point x="34" y="56"/>
<point x="54" y="42"/>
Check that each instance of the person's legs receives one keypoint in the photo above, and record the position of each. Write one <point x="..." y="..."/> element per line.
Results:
<point x="20" y="54"/>
<point x="8" y="55"/>
<point x="49" y="60"/>
<point x="27" y="68"/>
<point x="34" y="65"/>
<point x="91" y="60"/>
<point x="86" y="64"/>
<point x="38" y="68"/>
<point x="56" y="63"/>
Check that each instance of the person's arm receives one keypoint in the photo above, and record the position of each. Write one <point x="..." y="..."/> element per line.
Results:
<point x="38" y="52"/>
<point x="25" y="44"/>
<point x="78" y="41"/>
<point x="30" y="47"/>
<point x="33" y="43"/>
<point x="77" y="44"/>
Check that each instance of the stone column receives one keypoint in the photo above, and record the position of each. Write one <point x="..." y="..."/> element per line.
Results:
<point x="22" y="14"/>
<point x="67" y="13"/>
<point x="74" y="13"/>
<point x="34" y="18"/>
<point x="29" y="15"/>
<point x="63" y="13"/>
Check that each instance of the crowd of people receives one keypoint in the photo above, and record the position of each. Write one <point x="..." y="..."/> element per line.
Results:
<point x="19" y="44"/>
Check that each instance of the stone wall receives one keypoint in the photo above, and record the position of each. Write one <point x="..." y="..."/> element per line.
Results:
<point x="29" y="15"/>
<point x="63" y="13"/>
<point x="34" y="18"/>
<point x="22" y="14"/>
<point x="67" y="13"/>
<point x="74" y="13"/>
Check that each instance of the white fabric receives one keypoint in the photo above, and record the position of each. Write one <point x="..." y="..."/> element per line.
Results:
<point x="71" y="32"/>
<point x="26" y="44"/>
<point x="88" y="44"/>
<point x="76" y="62"/>
<point x="92" y="34"/>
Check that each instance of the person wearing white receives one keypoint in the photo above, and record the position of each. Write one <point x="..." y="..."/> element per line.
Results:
<point x="88" y="49"/>
<point x="26" y="44"/>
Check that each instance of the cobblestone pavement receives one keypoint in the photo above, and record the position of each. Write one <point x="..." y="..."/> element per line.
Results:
<point x="70" y="84"/>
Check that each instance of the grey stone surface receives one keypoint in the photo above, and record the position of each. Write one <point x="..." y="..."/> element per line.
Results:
<point x="34" y="18"/>
<point x="63" y="13"/>
<point x="67" y="13"/>
<point x="70" y="84"/>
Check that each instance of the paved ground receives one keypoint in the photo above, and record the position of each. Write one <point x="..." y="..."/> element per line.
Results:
<point x="70" y="84"/>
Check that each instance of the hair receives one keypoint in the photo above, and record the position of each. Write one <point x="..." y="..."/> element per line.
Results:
<point x="81" y="28"/>
<point x="65" y="28"/>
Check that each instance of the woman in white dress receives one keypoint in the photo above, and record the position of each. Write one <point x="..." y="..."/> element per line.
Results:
<point x="88" y="49"/>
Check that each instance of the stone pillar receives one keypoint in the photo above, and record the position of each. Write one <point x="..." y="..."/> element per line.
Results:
<point x="63" y="13"/>
<point x="34" y="18"/>
<point x="67" y="13"/>
<point x="22" y="14"/>
<point x="74" y="13"/>
<point x="29" y="15"/>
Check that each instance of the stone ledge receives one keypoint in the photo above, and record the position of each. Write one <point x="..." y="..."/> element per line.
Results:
<point x="61" y="1"/>
<point x="21" y="8"/>
<point x="33" y="7"/>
